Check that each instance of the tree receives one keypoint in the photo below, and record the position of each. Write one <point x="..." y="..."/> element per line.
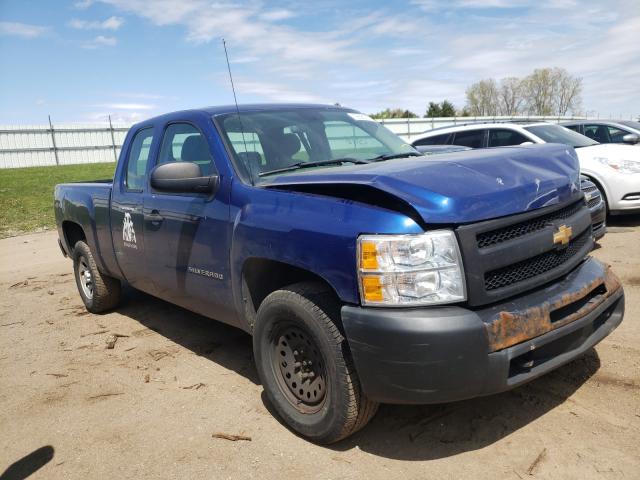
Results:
<point x="550" y="91"/>
<point x="447" y="109"/>
<point x="546" y="91"/>
<point x="434" y="110"/>
<point x="395" y="113"/>
<point x="482" y="98"/>
<point x="444" y="109"/>
<point x="510" y="96"/>
<point x="569" y="95"/>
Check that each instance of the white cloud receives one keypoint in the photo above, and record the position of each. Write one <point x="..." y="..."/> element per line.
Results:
<point x="142" y="96"/>
<point x="399" y="56"/>
<point x="275" y="92"/>
<point x="83" y="4"/>
<point x="24" y="30"/>
<point x="111" y="23"/>
<point x="126" y="106"/>
<point x="277" y="15"/>
<point x="100" y="41"/>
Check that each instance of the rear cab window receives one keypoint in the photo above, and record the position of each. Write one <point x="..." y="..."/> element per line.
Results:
<point x="137" y="159"/>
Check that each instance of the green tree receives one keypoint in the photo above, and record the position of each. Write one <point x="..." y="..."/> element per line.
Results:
<point x="444" y="109"/>
<point x="394" y="113"/>
<point x="447" y="109"/>
<point x="434" y="110"/>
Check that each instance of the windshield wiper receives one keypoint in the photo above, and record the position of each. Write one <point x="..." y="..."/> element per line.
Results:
<point x="390" y="156"/>
<point x="319" y="163"/>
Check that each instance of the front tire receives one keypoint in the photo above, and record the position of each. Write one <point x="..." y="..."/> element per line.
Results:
<point x="98" y="291"/>
<point x="305" y="366"/>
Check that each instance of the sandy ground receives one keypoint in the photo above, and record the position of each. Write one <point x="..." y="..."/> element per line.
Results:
<point x="148" y="407"/>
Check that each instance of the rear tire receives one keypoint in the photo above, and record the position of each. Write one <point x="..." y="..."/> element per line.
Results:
<point x="98" y="291"/>
<point x="305" y="366"/>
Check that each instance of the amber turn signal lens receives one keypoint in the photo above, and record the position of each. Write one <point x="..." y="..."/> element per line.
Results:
<point x="372" y="289"/>
<point x="368" y="256"/>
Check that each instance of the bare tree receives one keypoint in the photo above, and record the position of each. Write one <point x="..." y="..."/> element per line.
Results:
<point x="569" y="90"/>
<point x="547" y="91"/>
<point x="511" y="96"/>
<point x="482" y="98"/>
<point x="540" y="92"/>
<point x="551" y="91"/>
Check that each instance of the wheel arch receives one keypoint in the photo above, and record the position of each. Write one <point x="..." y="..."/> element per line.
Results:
<point x="73" y="232"/>
<point x="262" y="276"/>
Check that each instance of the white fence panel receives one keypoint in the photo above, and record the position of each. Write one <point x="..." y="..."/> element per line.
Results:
<point x="59" y="144"/>
<point x="33" y="145"/>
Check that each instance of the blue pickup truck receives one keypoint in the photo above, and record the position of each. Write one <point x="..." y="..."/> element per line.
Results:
<point x="365" y="272"/>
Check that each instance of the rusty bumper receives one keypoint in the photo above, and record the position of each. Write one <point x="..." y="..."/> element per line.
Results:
<point x="441" y="354"/>
<point x="512" y="326"/>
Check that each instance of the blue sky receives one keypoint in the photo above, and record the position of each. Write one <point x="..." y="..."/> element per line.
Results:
<point x="81" y="60"/>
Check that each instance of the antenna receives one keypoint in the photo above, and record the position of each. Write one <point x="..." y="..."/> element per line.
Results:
<point x="233" y="89"/>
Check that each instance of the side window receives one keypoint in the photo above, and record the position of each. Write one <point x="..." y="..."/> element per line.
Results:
<point x="575" y="128"/>
<point x="183" y="142"/>
<point x="505" y="138"/>
<point x="437" y="140"/>
<point x="615" y="134"/>
<point x="599" y="133"/>
<point x="470" y="138"/>
<point x="137" y="159"/>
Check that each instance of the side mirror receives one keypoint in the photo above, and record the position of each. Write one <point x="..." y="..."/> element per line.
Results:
<point x="631" y="138"/>
<point x="182" y="177"/>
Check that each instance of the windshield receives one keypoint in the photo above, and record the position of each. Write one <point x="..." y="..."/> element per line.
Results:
<point x="558" y="134"/>
<point x="266" y="142"/>
<point x="630" y="123"/>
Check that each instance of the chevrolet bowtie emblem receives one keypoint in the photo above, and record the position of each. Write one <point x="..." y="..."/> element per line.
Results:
<point x="563" y="235"/>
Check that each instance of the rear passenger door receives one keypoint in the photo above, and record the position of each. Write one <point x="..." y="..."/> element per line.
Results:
<point x="127" y="199"/>
<point x="187" y="234"/>
<point x="470" y="138"/>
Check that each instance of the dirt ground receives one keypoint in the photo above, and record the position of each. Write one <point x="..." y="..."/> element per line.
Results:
<point x="148" y="407"/>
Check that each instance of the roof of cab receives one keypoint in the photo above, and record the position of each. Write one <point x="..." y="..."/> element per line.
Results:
<point x="224" y="109"/>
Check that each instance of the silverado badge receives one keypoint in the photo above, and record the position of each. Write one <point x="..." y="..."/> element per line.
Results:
<point x="562" y="235"/>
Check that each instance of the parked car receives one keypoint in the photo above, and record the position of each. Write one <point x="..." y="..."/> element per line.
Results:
<point x="364" y="271"/>
<point x="607" y="131"/>
<point x="614" y="168"/>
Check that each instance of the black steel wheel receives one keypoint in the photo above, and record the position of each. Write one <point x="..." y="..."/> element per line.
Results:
<point x="305" y="366"/>
<point x="299" y="368"/>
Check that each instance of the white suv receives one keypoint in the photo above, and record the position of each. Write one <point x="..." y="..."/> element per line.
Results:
<point x="614" y="168"/>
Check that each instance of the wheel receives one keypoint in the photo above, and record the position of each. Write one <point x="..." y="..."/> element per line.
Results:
<point x="98" y="291"/>
<point x="305" y="366"/>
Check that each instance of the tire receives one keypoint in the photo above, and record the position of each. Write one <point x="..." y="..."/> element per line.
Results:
<point x="299" y="324"/>
<point x="98" y="291"/>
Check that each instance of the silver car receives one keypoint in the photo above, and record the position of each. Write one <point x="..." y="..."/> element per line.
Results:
<point x="607" y="131"/>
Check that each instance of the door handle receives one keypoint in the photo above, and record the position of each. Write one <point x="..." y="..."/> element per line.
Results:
<point x="154" y="217"/>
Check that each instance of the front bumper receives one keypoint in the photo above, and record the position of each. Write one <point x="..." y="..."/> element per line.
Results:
<point x="623" y="194"/>
<point x="448" y="353"/>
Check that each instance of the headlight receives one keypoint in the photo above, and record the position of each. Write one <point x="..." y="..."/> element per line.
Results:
<point x="410" y="270"/>
<point x="622" y="166"/>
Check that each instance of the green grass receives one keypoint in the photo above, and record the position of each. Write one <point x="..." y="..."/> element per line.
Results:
<point x="26" y="194"/>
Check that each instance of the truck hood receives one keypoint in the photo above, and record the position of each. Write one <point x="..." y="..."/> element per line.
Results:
<point x="458" y="187"/>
